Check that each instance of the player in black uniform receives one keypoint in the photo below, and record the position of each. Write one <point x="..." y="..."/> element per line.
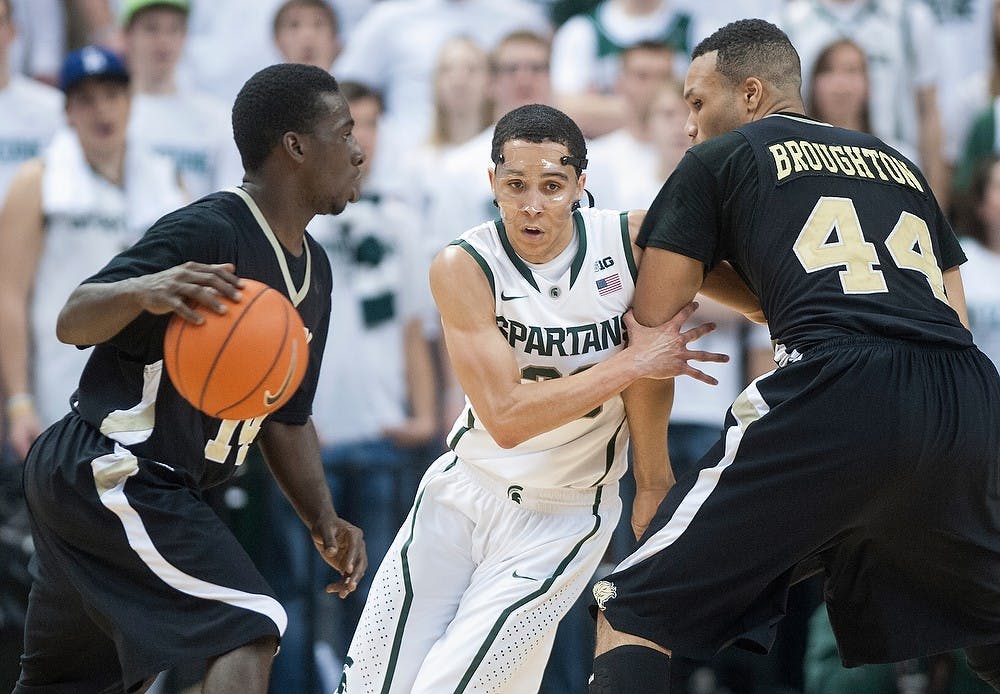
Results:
<point x="133" y="571"/>
<point x="872" y="453"/>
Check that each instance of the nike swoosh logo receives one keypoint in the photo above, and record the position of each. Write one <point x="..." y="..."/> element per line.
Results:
<point x="504" y="297"/>
<point x="527" y="578"/>
<point x="269" y="399"/>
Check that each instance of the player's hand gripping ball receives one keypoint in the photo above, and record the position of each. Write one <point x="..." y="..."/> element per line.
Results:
<point x="242" y="364"/>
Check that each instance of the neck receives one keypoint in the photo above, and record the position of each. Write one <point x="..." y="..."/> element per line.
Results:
<point x="277" y="200"/>
<point x="779" y="104"/>
<point x="108" y="164"/>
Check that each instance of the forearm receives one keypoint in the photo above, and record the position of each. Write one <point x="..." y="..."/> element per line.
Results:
<point x="930" y="144"/>
<point x="292" y="453"/>
<point x="97" y="312"/>
<point x="647" y="407"/>
<point x="530" y="409"/>
<point x="14" y="345"/>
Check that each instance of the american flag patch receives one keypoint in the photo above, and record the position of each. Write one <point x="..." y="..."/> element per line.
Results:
<point x="609" y="284"/>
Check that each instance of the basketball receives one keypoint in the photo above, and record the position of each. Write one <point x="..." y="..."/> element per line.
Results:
<point x="242" y="364"/>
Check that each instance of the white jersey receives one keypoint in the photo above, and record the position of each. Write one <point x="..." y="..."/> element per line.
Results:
<point x="88" y="220"/>
<point x="982" y="297"/>
<point x="32" y="112"/>
<point x="192" y="129"/>
<point x="557" y="329"/>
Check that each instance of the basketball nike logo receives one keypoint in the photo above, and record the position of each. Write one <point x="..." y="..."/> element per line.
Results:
<point x="504" y="297"/>
<point x="269" y="399"/>
<point x="527" y="578"/>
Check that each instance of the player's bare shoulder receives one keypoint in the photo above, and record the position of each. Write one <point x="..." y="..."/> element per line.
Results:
<point x="635" y="220"/>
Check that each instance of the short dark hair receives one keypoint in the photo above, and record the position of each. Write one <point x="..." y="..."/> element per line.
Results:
<point x="754" y="48"/>
<point x="540" y="123"/>
<point x="356" y="91"/>
<point x="321" y="5"/>
<point x="278" y="99"/>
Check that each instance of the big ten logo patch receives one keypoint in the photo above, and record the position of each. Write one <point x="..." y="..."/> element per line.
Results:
<point x="603" y="264"/>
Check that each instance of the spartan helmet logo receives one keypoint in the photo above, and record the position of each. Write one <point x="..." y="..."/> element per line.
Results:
<point x="514" y="493"/>
<point x="604" y="591"/>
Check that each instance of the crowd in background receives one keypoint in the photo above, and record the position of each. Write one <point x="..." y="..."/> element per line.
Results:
<point x="82" y="175"/>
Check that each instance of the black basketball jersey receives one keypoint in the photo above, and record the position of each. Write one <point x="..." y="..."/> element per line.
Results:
<point x="125" y="391"/>
<point x="836" y="232"/>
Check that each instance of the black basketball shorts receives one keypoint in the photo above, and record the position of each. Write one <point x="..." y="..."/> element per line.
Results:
<point x="877" y="462"/>
<point x="133" y="571"/>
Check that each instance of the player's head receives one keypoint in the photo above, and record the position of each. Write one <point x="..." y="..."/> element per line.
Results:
<point x="291" y="119"/>
<point x="742" y="72"/>
<point x="539" y="155"/>
<point x="307" y="31"/>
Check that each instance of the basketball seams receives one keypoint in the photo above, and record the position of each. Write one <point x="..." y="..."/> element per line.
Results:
<point x="222" y="349"/>
<point x="227" y="367"/>
<point x="277" y="356"/>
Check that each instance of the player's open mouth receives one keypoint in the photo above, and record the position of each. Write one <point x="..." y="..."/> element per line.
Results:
<point x="532" y="231"/>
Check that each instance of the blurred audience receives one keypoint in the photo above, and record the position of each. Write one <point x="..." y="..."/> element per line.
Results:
<point x="839" y="87"/>
<point x="88" y="196"/>
<point x="189" y="127"/>
<point x="982" y="93"/>
<point x="900" y="42"/>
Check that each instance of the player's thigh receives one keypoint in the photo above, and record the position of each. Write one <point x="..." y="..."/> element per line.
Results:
<point x="502" y="634"/>
<point x="416" y="589"/>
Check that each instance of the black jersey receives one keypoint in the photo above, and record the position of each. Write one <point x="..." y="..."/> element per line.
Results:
<point x="124" y="390"/>
<point x="836" y="232"/>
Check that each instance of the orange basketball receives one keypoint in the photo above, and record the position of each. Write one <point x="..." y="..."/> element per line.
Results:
<point x="245" y="363"/>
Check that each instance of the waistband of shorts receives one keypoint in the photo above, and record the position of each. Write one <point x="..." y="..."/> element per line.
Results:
<point x="783" y="355"/>
<point x="544" y="499"/>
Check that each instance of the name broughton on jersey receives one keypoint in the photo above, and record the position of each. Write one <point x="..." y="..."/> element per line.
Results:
<point x="564" y="342"/>
<point x="803" y="156"/>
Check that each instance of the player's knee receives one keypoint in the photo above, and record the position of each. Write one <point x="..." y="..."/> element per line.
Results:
<point x="629" y="670"/>
<point x="985" y="662"/>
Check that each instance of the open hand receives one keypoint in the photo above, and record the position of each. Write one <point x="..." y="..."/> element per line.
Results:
<point x="662" y="352"/>
<point x="181" y="289"/>
<point x="342" y="546"/>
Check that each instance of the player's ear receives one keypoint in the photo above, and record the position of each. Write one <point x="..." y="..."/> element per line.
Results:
<point x="292" y="144"/>
<point x="753" y="93"/>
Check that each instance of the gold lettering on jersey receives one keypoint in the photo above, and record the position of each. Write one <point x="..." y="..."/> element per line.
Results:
<point x="812" y="158"/>
<point x="563" y="342"/>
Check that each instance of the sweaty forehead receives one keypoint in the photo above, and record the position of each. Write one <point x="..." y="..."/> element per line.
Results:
<point x="701" y="75"/>
<point x="538" y="157"/>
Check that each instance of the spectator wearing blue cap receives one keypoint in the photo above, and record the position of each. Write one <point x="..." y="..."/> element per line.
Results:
<point x="88" y="196"/>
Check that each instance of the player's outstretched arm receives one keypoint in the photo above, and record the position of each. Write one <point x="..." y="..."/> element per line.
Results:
<point x="487" y="369"/>
<point x="97" y="311"/>
<point x="292" y="453"/>
<point x="647" y="409"/>
<point x="726" y="287"/>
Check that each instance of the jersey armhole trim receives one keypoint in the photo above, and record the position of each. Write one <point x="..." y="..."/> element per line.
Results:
<point x="627" y="246"/>
<point x="484" y="266"/>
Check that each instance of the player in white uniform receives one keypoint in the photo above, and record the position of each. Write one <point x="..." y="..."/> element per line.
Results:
<point x="510" y="524"/>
